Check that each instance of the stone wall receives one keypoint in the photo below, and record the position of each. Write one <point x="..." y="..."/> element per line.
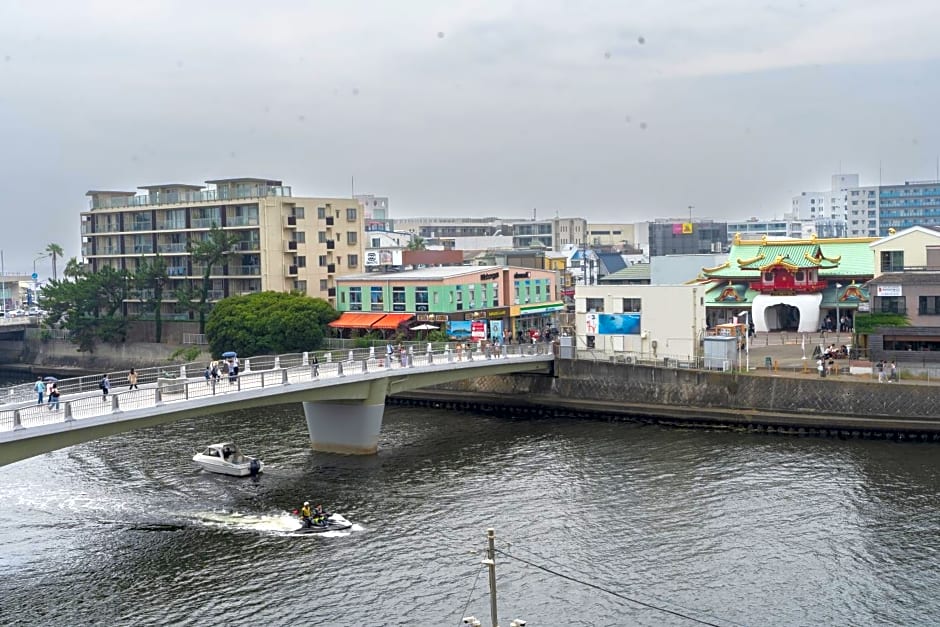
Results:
<point x="699" y="397"/>
<point x="63" y="355"/>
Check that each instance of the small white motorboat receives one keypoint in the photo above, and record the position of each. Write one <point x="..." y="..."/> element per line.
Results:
<point x="227" y="459"/>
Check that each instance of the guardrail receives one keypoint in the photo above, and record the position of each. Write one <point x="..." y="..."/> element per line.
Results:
<point x="81" y="397"/>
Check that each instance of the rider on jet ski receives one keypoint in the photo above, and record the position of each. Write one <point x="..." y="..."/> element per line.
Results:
<point x="312" y="517"/>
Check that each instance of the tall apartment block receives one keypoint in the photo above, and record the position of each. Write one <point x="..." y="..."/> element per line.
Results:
<point x="284" y="242"/>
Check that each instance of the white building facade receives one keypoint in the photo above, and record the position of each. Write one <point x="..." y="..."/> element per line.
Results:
<point x="644" y="321"/>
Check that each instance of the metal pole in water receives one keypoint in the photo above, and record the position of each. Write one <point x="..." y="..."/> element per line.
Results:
<point x="490" y="561"/>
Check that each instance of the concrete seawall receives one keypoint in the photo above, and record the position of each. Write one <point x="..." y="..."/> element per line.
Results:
<point x="786" y="404"/>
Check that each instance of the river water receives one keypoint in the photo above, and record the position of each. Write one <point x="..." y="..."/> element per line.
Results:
<point x="729" y="528"/>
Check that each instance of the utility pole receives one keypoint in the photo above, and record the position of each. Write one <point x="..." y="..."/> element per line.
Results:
<point x="491" y="562"/>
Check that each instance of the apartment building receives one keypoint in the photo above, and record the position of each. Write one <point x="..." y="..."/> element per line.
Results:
<point x="284" y="242"/>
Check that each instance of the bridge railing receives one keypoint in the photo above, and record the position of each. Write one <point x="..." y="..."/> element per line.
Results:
<point x="81" y="397"/>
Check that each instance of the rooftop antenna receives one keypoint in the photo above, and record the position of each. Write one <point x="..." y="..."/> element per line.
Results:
<point x="690" y="213"/>
<point x="879" y="173"/>
<point x="352" y="186"/>
<point x="533" y="213"/>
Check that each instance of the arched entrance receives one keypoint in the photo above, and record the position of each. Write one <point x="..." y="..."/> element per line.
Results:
<point x="782" y="317"/>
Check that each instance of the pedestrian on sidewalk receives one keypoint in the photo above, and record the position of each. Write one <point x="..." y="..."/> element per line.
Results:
<point x="40" y="388"/>
<point x="132" y="379"/>
<point x="54" y="398"/>
<point x="105" y="386"/>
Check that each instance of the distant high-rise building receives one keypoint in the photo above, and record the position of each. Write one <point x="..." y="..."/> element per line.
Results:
<point x="681" y="237"/>
<point x="845" y="210"/>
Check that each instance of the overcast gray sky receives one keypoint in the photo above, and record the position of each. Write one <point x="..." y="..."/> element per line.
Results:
<point x="616" y="111"/>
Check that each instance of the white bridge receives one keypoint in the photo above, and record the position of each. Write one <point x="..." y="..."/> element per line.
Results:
<point x="343" y="400"/>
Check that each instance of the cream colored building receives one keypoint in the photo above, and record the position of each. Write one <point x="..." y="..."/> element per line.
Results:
<point x="610" y="234"/>
<point x="285" y="242"/>
<point x="914" y="248"/>
<point x="647" y="321"/>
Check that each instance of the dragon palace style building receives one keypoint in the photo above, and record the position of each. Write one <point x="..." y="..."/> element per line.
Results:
<point x="789" y="285"/>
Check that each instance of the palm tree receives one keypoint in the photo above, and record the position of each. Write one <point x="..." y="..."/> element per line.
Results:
<point x="416" y="243"/>
<point x="55" y="251"/>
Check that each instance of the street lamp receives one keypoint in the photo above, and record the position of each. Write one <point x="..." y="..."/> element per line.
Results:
<point x="838" y="318"/>
<point x="747" y="342"/>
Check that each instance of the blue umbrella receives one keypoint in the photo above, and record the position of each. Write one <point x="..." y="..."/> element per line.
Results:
<point x="50" y="379"/>
<point x="229" y="354"/>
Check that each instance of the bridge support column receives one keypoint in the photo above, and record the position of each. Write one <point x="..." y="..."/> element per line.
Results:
<point x="348" y="426"/>
<point x="344" y="427"/>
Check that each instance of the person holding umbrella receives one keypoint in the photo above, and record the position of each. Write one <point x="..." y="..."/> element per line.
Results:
<point x="231" y="358"/>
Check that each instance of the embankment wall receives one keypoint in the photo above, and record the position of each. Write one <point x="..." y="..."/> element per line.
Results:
<point x="703" y="398"/>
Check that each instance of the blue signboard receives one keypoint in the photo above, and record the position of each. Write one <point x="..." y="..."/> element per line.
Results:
<point x="459" y="329"/>
<point x="612" y="324"/>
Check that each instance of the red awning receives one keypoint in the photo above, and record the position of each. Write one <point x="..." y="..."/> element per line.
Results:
<point x="350" y="320"/>
<point x="392" y="321"/>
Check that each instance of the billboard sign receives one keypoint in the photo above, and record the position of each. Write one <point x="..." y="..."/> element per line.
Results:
<point x="612" y="324"/>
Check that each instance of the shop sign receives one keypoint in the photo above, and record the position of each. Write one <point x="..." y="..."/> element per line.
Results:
<point x="521" y="275"/>
<point x="888" y="290"/>
<point x="478" y="329"/>
<point x="489" y="276"/>
<point x="540" y="309"/>
<point x="430" y="317"/>
<point x="497" y="313"/>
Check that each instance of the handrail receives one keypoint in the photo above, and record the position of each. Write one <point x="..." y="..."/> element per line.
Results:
<point x="80" y="397"/>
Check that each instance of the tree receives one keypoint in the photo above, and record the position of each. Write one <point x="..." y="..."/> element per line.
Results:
<point x="268" y="322"/>
<point x="55" y="251"/>
<point x="150" y="279"/>
<point x="416" y="243"/>
<point x="207" y="253"/>
<point x="73" y="269"/>
<point x="89" y="306"/>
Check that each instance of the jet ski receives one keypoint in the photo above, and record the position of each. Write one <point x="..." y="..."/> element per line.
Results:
<point x="332" y="522"/>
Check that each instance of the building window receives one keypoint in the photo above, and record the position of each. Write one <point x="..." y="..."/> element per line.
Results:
<point x="890" y="304"/>
<point x="459" y="292"/>
<point x="321" y="213"/>
<point x="421" y="299"/>
<point x="321" y="237"/>
<point x="631" y="305"/>
<point x="800" y="276"/>
<point x="595" y="305"/>
<point x="892" y="260"/>
<point x="928" y="306"/>
<point x="300" y="237"/>
<point x="398" y="299"/>
<point x="299" y="213"/>
<point x="301" y="261"/>
<point x="351" y="214"/>
<point x="495" y="294"/>
<point x="353" y="261"/>
<point x="355" y="299"/>
<point x="351" y="238"/>
<point x="324" y="285"/>
<point x="377" y="298"/>
<point x="376" y="242"/>
<point x="321" y="261"/>
<point x="300" y="286"/>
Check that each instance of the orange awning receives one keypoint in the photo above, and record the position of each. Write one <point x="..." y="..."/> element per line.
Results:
<point x="391" y="321"/>
<point x="351" y="320"/>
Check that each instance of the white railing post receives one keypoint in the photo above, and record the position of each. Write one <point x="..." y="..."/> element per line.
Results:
<point x="247" y="365"/>
<point x="115" y="405"/>
<point x="186" y="390"/>
<point x="17" y="420"/>
<point x="157" y="397"/>
<point x="284" y="379"/>
<point x="67" y="417"/>
<point x="277" y="362"/>
<point x="339" y="369"/>
<point x="305" y="359"/>
<point x="365" y="366"/>
<point x="182" y="372"/>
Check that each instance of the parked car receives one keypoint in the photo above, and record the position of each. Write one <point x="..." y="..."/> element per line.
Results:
<point x="16" y="313"/>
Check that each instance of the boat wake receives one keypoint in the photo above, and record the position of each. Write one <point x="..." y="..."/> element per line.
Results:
<point x="282" y="523"/>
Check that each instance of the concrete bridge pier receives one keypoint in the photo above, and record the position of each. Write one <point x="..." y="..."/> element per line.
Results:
<point x="350" y="425"/>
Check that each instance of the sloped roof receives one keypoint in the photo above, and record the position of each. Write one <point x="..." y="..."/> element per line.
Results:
<point x="854" y="257"/>
<point x="635" y="272"/>
<point x="612" y="262"/>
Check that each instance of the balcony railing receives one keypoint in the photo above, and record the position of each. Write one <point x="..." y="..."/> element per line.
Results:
<point x="292" y="245"/>
<point x="142" y="226"/>
<point x="142" y="249"/>
<point x="248" y="245"/>
<point x="329" y="221"/>
<point x="216" y="294"/>
<point x="331" y="291"/>
<point x="171" y="248"/>
<point x="330" y="244"/>
<point x="208" y="195"/>
<point x="242" y="221"/>
<point x="205" y="223"/>
<point x="244" y="270"/>
<point x="172" y="225"/>
<point x="177" y="271"/>
<point x="291" y="220"/>
<point x="198" y="270"/>
<point x="292" y="270"/>
<point x="331" y="268"/>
